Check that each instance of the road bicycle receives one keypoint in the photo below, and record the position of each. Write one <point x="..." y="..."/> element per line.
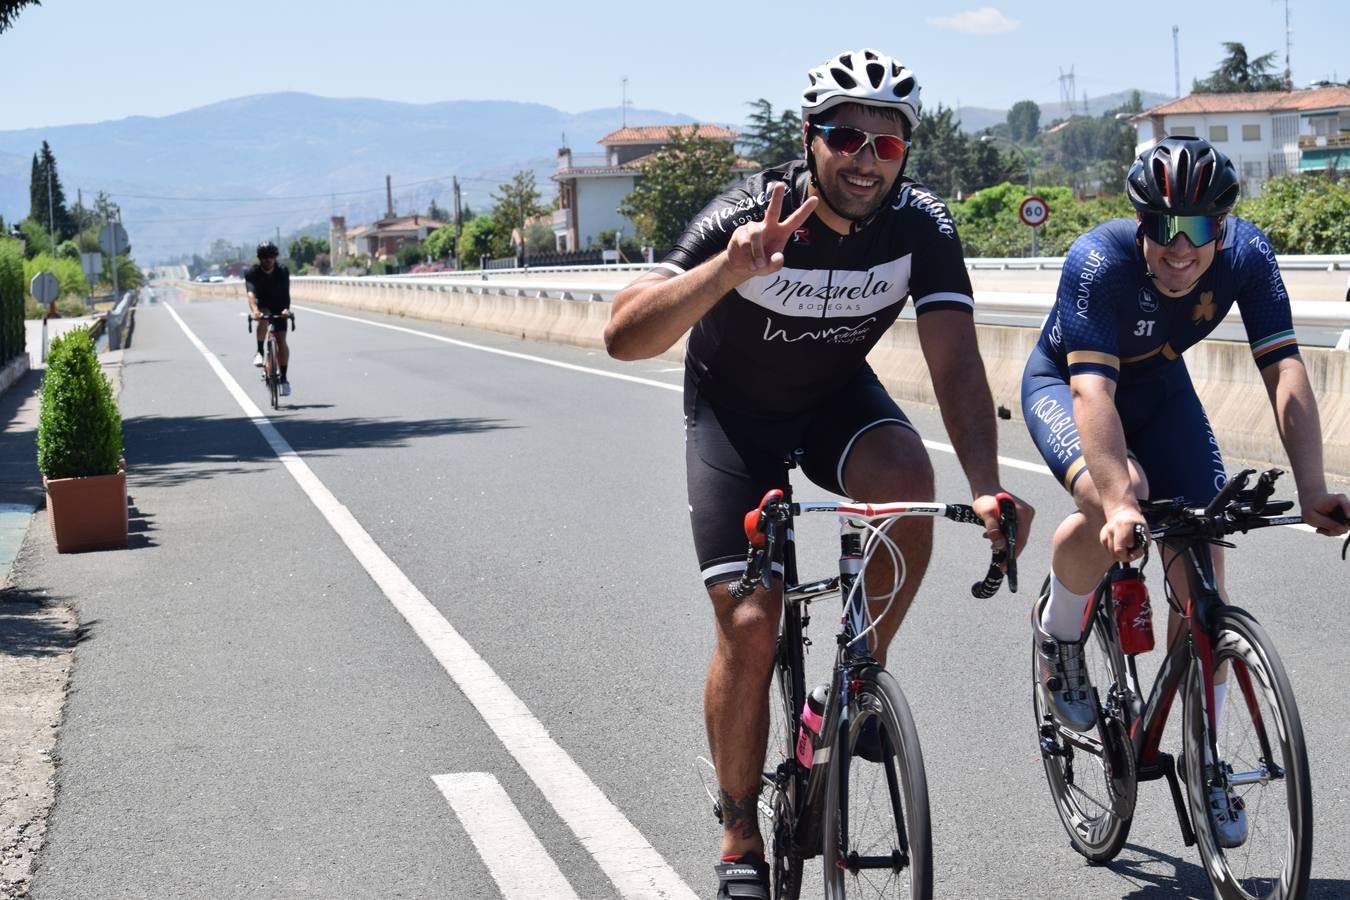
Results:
<point x="1258" y="742"/>
<point x="271" y="369"/>
<point x="869" y="821"/>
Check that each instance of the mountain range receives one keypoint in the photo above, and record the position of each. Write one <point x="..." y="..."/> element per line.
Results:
<point x="247" y="168"/>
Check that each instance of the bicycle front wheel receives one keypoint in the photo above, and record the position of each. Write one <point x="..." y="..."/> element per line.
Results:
<point x="1263" y="762"/>
<point x="271" y="372"/>
<point x="877" y="833"/>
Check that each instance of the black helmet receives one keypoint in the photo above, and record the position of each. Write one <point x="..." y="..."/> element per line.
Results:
<point x="1182" y="176"/>
<point x="266" y="249"/>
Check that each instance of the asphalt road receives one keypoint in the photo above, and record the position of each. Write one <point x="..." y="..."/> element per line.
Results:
<point x="271" y="680"/>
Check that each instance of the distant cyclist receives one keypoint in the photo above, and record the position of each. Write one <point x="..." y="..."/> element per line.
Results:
<point x="269" y="293"/>
<point x="788" y="280"/>
<point x="1111" y="407"/>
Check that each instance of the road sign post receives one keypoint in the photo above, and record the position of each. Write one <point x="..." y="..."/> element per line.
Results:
<point x="112" y="238"/>
<point x="1033" y="212"/>
<point x="45" y="289"/>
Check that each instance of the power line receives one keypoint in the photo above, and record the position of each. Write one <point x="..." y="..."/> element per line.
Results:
<point x="325" y="194"/>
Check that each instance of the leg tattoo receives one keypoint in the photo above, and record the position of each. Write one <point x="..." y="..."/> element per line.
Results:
<point x="741" y="817"/>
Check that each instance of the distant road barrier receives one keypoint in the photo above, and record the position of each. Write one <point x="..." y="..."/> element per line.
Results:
<point x="1227" y="380"/>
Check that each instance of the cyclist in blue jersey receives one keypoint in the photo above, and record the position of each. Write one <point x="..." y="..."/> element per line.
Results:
<point x="1109" y="403"/>
<point x="787" y="280"/>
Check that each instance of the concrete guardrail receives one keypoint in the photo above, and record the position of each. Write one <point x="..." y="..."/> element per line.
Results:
<point x="1225" y="377"/>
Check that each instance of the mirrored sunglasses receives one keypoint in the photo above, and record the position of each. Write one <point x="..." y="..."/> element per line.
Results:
<point x="1199" y="230"/>
<point x="849" y="141"/>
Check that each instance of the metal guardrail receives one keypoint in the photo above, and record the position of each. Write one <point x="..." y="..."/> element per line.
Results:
<point x="1289" y="262"/>
<point x="118" y="321"/>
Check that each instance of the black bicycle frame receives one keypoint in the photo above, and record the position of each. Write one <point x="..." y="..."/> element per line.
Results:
<point x="811" y="784"/>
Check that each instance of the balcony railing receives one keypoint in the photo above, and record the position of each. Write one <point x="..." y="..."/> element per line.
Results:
<point x="1323" y="142"/>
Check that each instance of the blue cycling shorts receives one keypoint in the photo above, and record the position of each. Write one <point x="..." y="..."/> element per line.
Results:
<point x="1166" y="430"/>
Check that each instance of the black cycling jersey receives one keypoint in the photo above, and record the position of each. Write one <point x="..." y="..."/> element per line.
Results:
<point x="781" y="343"/>
<point x="273" y="289"/>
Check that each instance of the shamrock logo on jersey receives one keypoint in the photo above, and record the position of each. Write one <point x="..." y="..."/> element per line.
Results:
<point x="1205" y="309"/>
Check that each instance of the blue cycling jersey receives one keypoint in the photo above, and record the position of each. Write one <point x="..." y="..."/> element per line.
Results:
<point x="1109" y="320"/>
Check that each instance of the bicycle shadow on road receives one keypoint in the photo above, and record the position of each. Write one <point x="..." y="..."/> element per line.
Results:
<point x="164" y="451"/>
<point x="1190" y="881"/>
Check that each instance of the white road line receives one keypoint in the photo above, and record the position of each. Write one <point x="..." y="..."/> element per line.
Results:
<point x="525" y="356"/>
<point x="620" y="850"/>
<point x="932" y="445"/>
<point x="519" y="864"/>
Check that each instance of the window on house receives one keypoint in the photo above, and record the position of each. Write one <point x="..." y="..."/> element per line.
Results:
<point x="1218" y="133"/>
<point x="1251" y="132"/>
<point x="1182" y="131"/>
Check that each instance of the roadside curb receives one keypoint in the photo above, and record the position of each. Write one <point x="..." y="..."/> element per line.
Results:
<point x="15" y="369"/>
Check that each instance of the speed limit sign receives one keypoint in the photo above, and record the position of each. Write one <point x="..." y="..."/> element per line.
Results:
<point x="1033" y="211"/>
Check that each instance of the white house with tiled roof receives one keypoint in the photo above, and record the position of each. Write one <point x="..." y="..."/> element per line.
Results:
<point x="591" y="187"/>
<point x="1264" y="133"/>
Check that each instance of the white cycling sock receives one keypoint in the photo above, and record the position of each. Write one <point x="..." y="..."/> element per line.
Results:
<point x="1062" y="616"/>
<point x="1220" y="691"/>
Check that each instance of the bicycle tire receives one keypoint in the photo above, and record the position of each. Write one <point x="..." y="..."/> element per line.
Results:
<point x="1274" y="861"/>
<point x="1097" y="814"/>
<point x="778" y="802"/>
<point x="270" y="371"/>
<point x="887" y="803"/>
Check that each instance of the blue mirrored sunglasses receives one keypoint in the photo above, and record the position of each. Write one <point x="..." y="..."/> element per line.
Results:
<point x="1199" y="230"/>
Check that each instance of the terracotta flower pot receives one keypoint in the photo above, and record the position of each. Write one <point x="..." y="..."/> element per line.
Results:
<point x="88" y="513"/>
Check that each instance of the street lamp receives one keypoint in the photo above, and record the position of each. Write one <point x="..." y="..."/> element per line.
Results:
<point x="1026" y="161"/>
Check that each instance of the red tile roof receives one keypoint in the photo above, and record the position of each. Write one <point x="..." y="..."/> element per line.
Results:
<point x="660" y="134"/>
<point x="1333" y="97"/>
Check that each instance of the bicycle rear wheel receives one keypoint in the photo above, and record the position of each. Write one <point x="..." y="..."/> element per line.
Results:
<point x="888" y="847"/>
<point x="777" y="802"/>
<point x="1264" y="761"/>
<point x="1092" y="777"/>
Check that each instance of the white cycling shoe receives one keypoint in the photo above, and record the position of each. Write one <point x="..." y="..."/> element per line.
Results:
<point x="258" y="360"/>
<point x="285" y="389"/>
<point x="1228" y="815"/>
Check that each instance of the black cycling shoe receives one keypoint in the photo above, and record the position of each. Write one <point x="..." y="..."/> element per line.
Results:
<point x="869" y="746"/>
<point x="744" y="879"/>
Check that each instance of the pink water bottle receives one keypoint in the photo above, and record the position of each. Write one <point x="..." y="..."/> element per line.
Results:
<point x="812" y="712"/>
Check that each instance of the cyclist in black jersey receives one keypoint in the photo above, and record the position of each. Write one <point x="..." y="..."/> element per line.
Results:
<point x="785" y="282"/>
<point x="268" y="285"/>
<point x="1111" y="407"/>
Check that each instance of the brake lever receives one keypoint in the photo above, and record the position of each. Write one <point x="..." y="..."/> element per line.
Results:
<point x="1007" y="521"/>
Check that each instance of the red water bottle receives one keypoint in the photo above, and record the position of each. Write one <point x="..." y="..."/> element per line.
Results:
<point x="1134" y="617"/>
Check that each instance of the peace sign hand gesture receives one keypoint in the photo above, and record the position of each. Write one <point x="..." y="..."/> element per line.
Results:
<point x="756" y="248"/>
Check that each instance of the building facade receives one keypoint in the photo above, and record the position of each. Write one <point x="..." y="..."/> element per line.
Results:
<point x="1265" y="133"/>
<point x="591" y="187"/>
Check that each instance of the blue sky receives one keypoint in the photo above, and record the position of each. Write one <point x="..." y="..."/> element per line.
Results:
<point x="91" y="60"/>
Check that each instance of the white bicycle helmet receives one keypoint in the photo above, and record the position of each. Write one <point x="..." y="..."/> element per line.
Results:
<point x="866" y="77"/>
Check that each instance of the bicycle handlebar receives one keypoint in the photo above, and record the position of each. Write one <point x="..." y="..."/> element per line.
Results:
<point x="762" y="523"/>
<point x="270" y="317"/>
<point x="1235" y="509"/>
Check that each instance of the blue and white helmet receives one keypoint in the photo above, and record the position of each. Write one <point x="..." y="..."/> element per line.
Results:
<point x="866" y="77"/>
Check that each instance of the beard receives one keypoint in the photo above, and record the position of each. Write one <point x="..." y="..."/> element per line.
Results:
<point x="848" y="205"/>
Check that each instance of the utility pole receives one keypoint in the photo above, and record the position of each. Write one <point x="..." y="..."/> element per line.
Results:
<point x="1176" y="59"/>
<point x="623" y="104"/>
